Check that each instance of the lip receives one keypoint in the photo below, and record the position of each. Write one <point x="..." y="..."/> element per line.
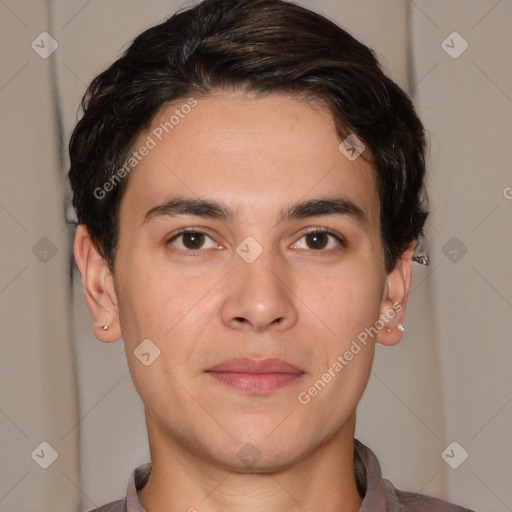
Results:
<point x="255" y="376"/>
<point x="248" y="365"/>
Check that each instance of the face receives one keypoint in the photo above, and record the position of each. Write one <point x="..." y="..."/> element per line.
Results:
<point x="264" y="293"/>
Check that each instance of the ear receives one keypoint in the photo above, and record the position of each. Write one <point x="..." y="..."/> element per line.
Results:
<point x="394" y="299"/>
<point x="99" y="288"/>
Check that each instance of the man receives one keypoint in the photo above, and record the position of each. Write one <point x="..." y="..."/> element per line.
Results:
<point x="249" y="189"/>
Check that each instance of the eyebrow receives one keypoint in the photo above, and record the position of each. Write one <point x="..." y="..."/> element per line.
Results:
<point x="211" y="209"/>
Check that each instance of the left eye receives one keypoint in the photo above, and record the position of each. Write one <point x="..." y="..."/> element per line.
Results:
<point x="319" y="239"/>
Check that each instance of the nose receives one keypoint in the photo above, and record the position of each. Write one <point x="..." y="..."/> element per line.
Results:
<point x="260" y="296"/>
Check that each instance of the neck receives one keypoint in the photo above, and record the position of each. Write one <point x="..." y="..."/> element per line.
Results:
<point x="183" y="481"/>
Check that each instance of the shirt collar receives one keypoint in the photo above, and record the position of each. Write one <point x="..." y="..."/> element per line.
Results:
<point x="379" y="494"/>
<point x="137" y="481"/>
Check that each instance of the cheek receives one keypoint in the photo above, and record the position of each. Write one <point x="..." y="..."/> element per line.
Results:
<point x="154" y="308"/>
<point x="347" y="301"/>
<point x="151" y="301"/>
<point x="172" y="311"/>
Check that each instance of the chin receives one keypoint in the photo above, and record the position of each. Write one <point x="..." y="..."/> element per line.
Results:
<point x="251" y="457"/>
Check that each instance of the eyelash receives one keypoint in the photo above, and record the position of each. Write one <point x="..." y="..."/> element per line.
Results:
<point x="304" y="233"/>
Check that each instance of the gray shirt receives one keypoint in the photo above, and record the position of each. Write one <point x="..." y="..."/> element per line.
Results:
<point x="379" y="494"/>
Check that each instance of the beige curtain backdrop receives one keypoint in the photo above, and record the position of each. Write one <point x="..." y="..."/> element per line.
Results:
<point x="71" y="423"/>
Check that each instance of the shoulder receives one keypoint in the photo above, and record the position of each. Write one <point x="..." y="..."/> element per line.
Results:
<point x="114" y="506"/>
<point x="380" y="494"/>
<point x="413" y="502"/>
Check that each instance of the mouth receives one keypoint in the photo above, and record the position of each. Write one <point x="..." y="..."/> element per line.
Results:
<point x="255" y="376"/>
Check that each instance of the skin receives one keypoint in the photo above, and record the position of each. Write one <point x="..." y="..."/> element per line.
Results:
<point x="295" y="301"/>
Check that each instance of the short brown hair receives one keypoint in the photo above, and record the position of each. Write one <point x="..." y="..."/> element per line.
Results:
<point x="264" y="46"/>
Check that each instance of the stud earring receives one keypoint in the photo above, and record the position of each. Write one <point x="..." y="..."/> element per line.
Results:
<point x="104" y="327"/>
<point x="388" y="329"/>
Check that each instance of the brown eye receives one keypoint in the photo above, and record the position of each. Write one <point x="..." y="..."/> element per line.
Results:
<point x="317" y="240"/>
<point x="320" y="240"/>
<point x="191" y="240"/>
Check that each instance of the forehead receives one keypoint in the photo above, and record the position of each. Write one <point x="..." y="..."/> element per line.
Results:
<point x="255" y="154"/>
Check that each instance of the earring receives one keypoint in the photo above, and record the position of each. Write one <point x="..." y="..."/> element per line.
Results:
<point x="103" y="326"/>
<point x="401" y="328"/>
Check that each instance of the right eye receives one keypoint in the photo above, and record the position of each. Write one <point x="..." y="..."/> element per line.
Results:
<point x="192" y="240"/>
